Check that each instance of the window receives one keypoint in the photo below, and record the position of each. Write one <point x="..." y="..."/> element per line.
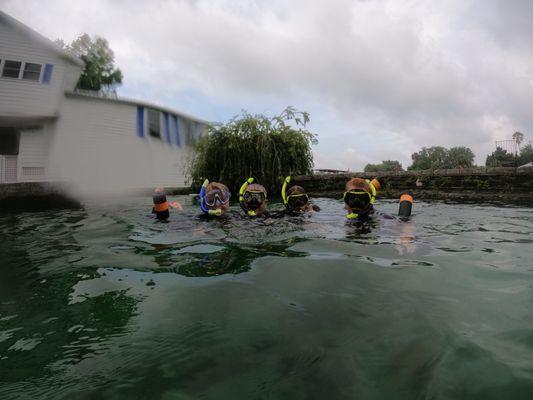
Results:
<point x="11" y="69"/>
<point x="9" y="141"/>
<point x="176" y="130"/>
<point x="187" y="131"/>
<point x="154" y="128"/>
<point x="32" y="71"/>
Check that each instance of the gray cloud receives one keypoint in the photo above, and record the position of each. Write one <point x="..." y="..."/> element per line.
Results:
<point x="382" y="78"/>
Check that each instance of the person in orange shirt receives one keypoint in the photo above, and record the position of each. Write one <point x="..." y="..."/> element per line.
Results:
<point x="161" y="206"/>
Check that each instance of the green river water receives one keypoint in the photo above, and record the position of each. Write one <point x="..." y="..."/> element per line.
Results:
<point x="104" y="303"/>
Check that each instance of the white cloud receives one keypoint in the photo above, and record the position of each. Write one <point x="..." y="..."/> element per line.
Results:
<point x="382" y="78"/>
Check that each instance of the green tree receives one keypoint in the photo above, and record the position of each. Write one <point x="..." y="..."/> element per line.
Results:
<point x="460" y="157"/>
<point x="438" y="157"/>
<point x="500" y="157"/>
<point x="526" y="155"/>
<point x="99" y="72"/>
<point x="386" y="165"/>
<point x="429" y="158"/>
<point x="267" y="148"/>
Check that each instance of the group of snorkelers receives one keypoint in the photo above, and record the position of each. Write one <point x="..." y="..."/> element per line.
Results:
<point x="359" y="197"/>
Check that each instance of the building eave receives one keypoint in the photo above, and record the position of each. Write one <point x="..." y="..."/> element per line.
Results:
<point x="25" y="121"/>
<point x="37" y="37"/>
<point x="135" y="102"/>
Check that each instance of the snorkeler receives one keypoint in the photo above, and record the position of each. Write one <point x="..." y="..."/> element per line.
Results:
<point x="295" y="199"/>
<point x="359" y="198"/>
<point x="161" y="206"/>
<point x="214" y="198"/>
<point x="253" y="198"/>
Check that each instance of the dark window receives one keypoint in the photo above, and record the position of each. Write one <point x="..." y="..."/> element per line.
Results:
<point x="176" y="130"/>
<point x="154" y="127"/>
<point x="32" y="71"/>
<point x="11" y="69"/>
<point x="9" y="141"/>
<point x="188" y="132"/>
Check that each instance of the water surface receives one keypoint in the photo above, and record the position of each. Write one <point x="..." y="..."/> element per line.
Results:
<point x="106" y="303"/>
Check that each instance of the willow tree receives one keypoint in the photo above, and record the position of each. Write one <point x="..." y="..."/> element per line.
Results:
<point x="266" y="148"/>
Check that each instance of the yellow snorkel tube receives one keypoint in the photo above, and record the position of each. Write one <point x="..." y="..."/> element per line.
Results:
<point x="284" y="190"/>
<point x="250" y="180"/>
<point x="352" y="215"/>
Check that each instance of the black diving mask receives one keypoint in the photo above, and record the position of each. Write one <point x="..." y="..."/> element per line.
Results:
<point x="297" y="201"/>
<point x="357" y="200"/>
<point x="254" y="198"/>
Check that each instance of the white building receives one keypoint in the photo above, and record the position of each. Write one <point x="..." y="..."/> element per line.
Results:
<point x="51" y="133"/>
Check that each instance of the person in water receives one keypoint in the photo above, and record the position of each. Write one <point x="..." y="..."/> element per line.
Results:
<point x="359" y="198"/>
<point x="161" y="207"/>
<point x="253" y="198"/>
<point x="214" y="198"/>
<point x="295" y="199"/>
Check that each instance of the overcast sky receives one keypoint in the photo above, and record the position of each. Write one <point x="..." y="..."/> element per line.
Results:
<point x="380" y="79"/>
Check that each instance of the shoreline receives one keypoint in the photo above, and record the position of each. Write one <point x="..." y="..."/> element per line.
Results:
<point x="495" y="185"/>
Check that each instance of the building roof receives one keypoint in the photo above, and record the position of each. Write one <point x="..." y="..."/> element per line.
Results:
<point x="37" y="37"/>
<point x="87" y="95"/>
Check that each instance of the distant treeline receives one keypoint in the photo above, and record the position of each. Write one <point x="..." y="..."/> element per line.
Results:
<point x="438" y="157"/>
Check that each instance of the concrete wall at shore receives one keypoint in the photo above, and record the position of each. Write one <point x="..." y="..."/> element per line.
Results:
<point x="472" y="184"/>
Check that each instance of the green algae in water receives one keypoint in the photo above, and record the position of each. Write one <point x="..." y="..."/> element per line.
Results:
<point x="105" y="303"/>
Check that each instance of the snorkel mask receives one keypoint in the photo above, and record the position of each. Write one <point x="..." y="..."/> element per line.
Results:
<point x="213" y="198"/>
<point x="254" y="198"/>
<point x="357" y="200"/>
<point x="216" y="197"/>
<point x="251" y="200"/>
<point x="360" y="201"/>
<point x="293" y="202"/>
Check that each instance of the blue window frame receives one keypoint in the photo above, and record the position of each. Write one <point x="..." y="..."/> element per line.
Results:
<point x="47" y="74"/>
<point x="166" y="128"/>
<point x="140" y="121"/>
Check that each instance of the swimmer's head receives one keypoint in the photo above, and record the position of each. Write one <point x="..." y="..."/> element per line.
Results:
<point x="161" y="206"/>
<point x="358" y="195"/>
<point x="297" y="199"/>
<point x="216" y="197"/>
<point x="254" y="198"/>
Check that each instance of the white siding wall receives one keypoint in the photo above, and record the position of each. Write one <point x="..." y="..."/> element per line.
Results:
<point x="21" y="97"/>
<point x="96" y="148"/>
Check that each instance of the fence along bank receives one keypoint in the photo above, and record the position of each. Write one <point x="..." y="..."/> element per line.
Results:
<point x="514" y="185"/>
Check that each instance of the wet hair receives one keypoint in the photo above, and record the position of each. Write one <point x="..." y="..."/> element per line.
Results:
<point x="216" y="185"/>
<point x="256" y="187"/>
<point x="295" y="190"/>
<point x="358" y="184"/>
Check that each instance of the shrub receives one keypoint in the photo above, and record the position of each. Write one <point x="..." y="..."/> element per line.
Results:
<point x="267" y="148"/>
